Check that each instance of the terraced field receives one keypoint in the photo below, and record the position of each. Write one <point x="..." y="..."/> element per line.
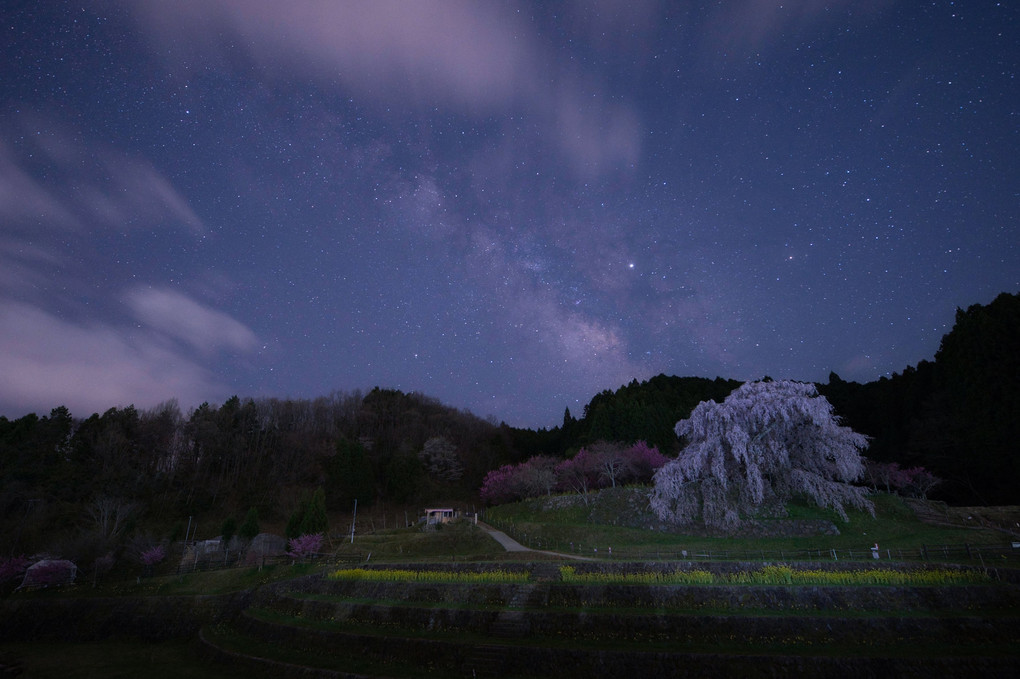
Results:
<point x="544" y="627"/>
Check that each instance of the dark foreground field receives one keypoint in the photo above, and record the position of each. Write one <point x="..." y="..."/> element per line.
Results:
<point x="535" y="626"/>
<point x="523" y="618"/>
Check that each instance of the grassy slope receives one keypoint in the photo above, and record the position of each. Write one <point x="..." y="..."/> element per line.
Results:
<point x="458" y="541"/>
<point x="556" y="523"/>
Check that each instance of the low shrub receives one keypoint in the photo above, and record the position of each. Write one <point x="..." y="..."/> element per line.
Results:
<point x="305" y="546"/>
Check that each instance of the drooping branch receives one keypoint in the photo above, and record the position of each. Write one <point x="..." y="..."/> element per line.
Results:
<point x="765" y="443"/>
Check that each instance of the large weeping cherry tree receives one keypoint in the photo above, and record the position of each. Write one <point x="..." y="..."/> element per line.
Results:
<point x="767" y="442"/>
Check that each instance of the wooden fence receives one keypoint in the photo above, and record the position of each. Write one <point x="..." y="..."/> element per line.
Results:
<point x="984" y="555"/>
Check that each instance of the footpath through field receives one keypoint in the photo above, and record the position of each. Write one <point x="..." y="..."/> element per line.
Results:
<point x="511" y="545"/>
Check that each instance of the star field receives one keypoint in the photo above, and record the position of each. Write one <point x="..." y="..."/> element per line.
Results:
<point x="509" y="206"/>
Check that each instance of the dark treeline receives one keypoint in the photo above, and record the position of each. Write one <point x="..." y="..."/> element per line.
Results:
<point x="640" y="411"/>
<point x="958" y="416"/>
<point x="98" y="479"/>
<point x="61" y="475"/>
<point x="108" y="474"/>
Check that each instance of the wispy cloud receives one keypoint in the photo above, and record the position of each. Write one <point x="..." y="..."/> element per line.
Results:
<point x="460" y="52"/>
<point x="59" y="193"/>
<point x="137" y="195"/>
<point x="596" y="138"/>
<point x="752" y="24"/>
<point x="616" y="24"/>
<point x="178" y="316"/>
<point x="23" y="198"/>
<point x="53" y="178"/>
<point x="21" y="265"/>
<point x="459" y="56"/>
<point x="90" y="366"/>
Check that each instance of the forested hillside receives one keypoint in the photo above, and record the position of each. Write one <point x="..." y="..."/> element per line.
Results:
<point x="640" y="411"/>
<point x="125" y="468"/>
<point x="89" y="480"/>
<point x="958" y="416"/>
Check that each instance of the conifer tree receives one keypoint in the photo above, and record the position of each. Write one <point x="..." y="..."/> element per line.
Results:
<point x="293" y="528"/>
<point x="250" y="526"/>
<point x="315" y="519"/>
<point x="228" y="530"/>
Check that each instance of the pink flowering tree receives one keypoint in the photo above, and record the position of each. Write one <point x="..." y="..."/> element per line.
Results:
<point x="920" y="481"/>
<point x="642" y="462"/>
<point x="304" y="546"/>
<point x="885" y="474"/>
<point x="151" y="557"/>
<point x="513" y="482"/>
<point x="605" y="465"/>
<point x="600" y="465"/>
<point x="916" y="481"/>
<point x="580" y="474"/>
<point x="500" y="485"/>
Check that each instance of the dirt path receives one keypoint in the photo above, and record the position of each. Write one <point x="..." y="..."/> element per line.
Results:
<point x="511" y="545"/>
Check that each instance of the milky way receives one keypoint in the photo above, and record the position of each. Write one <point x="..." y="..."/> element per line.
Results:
<point x="507" y="206"/>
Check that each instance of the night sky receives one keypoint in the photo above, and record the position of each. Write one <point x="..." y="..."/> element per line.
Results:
<point x="508" y="206"/>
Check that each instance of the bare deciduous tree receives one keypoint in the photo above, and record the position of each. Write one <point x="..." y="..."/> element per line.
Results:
<point x="611" y="460"/>
<point x="439" y="457"/>
<point x="109" y="515"/>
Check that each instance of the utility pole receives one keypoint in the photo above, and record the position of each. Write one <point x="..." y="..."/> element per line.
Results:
<point x="355" y="518"/>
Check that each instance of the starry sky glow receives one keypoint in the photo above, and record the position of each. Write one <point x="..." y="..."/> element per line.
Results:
<point x="510" y="206"/>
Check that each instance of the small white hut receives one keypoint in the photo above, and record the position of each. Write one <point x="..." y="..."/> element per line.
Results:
<point x="434" y="516"/>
